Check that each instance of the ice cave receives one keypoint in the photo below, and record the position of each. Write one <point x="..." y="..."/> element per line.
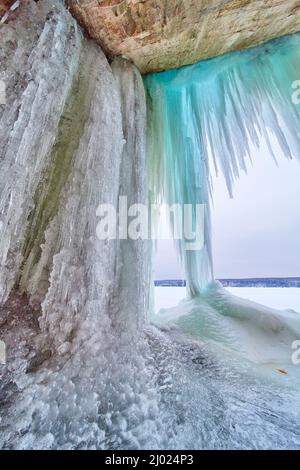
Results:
<point x="86" y="119"/>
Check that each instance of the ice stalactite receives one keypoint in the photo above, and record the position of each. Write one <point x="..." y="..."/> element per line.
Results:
<point x="135" y="254"/>
<point x="211" y="111"/>
<point x="217" y="107"/>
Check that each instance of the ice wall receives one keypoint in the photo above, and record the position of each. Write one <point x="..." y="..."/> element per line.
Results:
<point x="215" y="108"/>
<point x="73" y="137"/>
<point x="37" y="66"/>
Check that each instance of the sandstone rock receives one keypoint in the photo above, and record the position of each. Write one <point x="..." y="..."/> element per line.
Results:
<point x="7" y="9"/>
<point x="162" y="34"/>
<point x="5" y="5"/>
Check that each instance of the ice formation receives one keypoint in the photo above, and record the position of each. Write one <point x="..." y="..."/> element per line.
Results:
<point x="214" y="109"/>
<point x="93" y="373"/>
<point x="73" y="137"/>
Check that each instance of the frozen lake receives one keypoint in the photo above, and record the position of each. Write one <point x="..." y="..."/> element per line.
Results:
<point x="279" y="298"/>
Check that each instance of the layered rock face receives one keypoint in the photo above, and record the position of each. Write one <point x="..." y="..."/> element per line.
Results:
<point x="164" y="34"/>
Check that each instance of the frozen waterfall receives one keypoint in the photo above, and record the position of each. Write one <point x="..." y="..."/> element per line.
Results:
<point x="211" y="111"/>
<point x="203" y="118"/>
<point x="85" y="368"/>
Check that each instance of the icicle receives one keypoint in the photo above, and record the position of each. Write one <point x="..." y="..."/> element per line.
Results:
<point x="219" y="106"/>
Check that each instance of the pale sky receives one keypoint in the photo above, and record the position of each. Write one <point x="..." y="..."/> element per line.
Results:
<point x="257" y="233"/>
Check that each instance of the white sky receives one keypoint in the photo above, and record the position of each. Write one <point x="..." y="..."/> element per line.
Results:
<point x="257" y="233"/>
